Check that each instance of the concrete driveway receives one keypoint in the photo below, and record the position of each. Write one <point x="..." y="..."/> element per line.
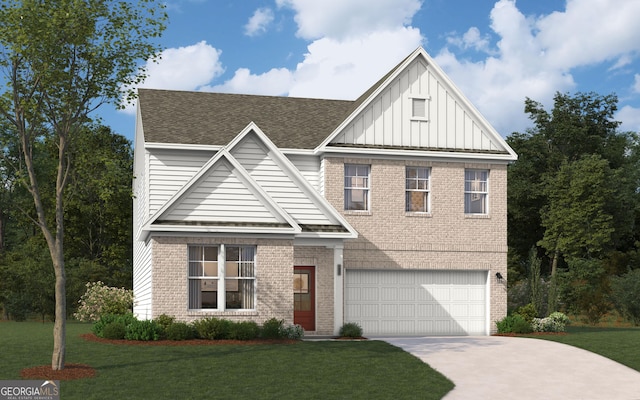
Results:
<point x="497" y="367"/>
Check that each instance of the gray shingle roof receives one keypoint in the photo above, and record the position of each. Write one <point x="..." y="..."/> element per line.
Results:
<point x="216" y="118"/>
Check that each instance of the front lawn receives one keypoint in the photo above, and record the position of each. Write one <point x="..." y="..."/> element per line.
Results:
<point x="310" y="370"/>
<point x="618" y="344"/>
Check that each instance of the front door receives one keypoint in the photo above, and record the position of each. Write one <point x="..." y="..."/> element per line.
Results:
<point x="304" y="297"/>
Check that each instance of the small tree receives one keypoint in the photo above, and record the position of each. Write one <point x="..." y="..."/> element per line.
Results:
<point x="63" y="59"/>
<point x="625" y="293"/>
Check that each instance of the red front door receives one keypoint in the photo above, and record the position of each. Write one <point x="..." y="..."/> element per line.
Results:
<point x="304" y="297"/>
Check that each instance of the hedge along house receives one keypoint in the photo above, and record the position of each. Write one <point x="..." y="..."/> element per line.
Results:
<point x="388" y="211"/>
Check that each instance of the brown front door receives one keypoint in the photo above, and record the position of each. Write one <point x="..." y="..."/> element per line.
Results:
<point x="304" y="297"/>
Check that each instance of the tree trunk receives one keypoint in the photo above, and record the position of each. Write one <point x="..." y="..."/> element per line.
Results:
<point x="59" y="327"/>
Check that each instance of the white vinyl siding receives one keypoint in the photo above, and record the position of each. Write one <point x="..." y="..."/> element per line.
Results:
<point x="266" y="171"/>
<point x="169" y="171"/>
<point x="448" y="122"/>
<point x="142" y="279"/>
<point x="219" y="196"/>
<point x="417" y="302"/>
<point x="309" y="167"/>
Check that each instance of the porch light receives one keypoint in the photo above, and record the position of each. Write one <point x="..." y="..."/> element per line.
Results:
<point x="499" y="276"/>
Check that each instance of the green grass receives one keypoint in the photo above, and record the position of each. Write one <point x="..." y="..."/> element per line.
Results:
<point x="310" y="370"/>
<point x="618" y="344"/>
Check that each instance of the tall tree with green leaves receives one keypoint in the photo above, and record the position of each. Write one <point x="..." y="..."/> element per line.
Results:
<point x="63" y="59"/>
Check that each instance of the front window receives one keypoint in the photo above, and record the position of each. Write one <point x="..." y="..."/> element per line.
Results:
<point x="476" y="191"/>
<point x="417" y="189"/>
<point x="222" y="277"/>
<point x="356" y="187"/>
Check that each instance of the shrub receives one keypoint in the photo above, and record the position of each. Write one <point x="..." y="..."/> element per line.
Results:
<point x="212" y="328"/>
<point x="99" y="300"/>
<point x="245" y="330"/>
<point x="351" y="329"/>
<point x="556" y="322"/>
<point x="528" y="312"/>
<point x="625" y="297"/>
<point x="99" y="325"/>
<point x="295" y="332"/>
<point x="179" y="331"/>
<point x="272" y="329"/>
<point x="145" y="330"/>
<point x="114" y="330"/>
<point x="164" y="320"/>
<point x="514" y="323"/>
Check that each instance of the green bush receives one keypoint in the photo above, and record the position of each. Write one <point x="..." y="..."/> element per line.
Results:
<point x="625" y="295"/>
<point x="179" y="331"/>
<point x="164" y="320"/>
<point x="295" y="332"/>
<point x="114" y="330"/>
<point x="212" y="328"/>
<point x="351" y="329"/>
<point x="145" y="330"/>
<point x="99" y="325"/>
<point x="272" y="329"/>
<point x="245" y="330"/>
<point x="514" y="323"/>
<point x="528" y="312"/>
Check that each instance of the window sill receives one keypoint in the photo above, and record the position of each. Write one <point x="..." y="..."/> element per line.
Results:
<point x="357" y="212"/>
<point x="418" y="214"/>
<point x="228" y="313"/>
<point x="477" y="216"/>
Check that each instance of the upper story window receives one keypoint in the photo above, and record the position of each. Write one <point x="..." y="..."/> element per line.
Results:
<point x="417" y="189"/>
<point x="356" y="187"/>
<point x="222" y="277"/>
<point x="476" y="191"/>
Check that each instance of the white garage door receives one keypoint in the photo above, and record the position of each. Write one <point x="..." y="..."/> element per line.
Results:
<point x="415" y="302"/>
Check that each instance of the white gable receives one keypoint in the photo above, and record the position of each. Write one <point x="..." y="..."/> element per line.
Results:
<point x="277" y="181"/>
<point x="222" y="194"/>
<point x="448" y="120"/>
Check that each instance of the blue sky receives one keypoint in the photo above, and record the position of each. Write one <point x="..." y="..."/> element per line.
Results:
<point x="498" y="52"/>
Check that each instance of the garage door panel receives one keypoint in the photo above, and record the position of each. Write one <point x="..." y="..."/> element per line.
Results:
<point x="413" y="302"/>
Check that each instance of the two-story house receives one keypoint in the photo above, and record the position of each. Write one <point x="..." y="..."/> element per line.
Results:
<point x="388" y="211"/>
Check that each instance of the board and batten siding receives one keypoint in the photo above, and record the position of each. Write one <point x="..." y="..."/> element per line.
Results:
<point x="388" y="121"/>
<point x="169" y="171"/>
<point x="220" y="196"/>
<point x="142" y="279"/>
<point x="271" y="176"/>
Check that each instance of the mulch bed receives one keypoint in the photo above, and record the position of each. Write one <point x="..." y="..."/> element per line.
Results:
<point x="80" y="371"/>
<point x="70" y="371"/>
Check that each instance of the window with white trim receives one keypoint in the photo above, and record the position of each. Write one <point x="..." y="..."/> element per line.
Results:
<point x="476" y="191"/>
<point x="356" y="187"/>
<point x="222" y="277"/>
<point x="417" y="189"/>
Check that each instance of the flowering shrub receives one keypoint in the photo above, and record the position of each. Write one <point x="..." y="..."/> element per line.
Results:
<point x="295" y="332"/>
<point x="99" y="300"/>
<point x="556" y="322"/>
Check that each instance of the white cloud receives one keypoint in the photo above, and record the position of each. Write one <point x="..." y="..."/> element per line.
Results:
<point x="183" y="68"/>
<point x="345" y="69"/>
<point x="339" y="19"/>
<point x="471" y="40"/>
<point x="259" y="22"/>
<point x="534" y="57"/>
<point x="630" y="118"/>
<point x="276" y="82"/>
